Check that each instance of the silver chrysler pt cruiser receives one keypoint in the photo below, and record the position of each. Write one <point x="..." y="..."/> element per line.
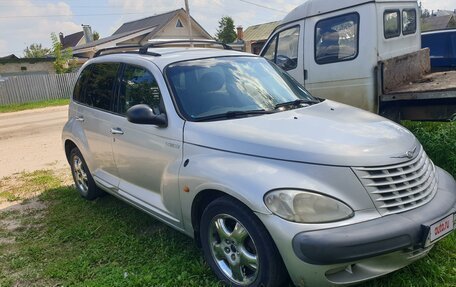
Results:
<point x="271" y="182"/>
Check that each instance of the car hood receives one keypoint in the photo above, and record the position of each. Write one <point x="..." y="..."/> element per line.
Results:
<point x="327" y="133"/>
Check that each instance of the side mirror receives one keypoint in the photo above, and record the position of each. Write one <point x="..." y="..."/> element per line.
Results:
<point x="144" y="115"/>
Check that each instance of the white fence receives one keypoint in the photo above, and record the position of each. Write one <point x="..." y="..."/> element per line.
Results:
<point x="33" y="88"/>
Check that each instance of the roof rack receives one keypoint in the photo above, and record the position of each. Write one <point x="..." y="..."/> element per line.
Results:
<point x="162" y="43"/>
<point x="127" y="49"/>
<point x="130" y="49"/>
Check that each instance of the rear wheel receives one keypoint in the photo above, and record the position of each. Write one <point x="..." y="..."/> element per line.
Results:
<point x="238" y="247"/>
<point x="82" y="178"/>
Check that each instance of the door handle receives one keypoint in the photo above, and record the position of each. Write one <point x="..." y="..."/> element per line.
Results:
<point x="79" y="118"/>
<point x="117" y="131"/>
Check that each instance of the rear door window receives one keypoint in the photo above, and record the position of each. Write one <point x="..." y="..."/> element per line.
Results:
<point x="100" y="86"/>
<point x="391" y="23"/>
<point x="138" y="86"/>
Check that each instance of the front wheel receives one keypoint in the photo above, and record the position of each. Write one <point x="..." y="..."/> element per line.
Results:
<point x="238" y="247"/>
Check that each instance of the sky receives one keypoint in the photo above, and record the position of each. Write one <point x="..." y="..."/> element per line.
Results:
<point x="24" y="22"/>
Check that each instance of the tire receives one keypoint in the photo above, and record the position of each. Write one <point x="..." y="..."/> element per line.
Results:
<point x="233" y="238"/>
<point x="83" y="180"/>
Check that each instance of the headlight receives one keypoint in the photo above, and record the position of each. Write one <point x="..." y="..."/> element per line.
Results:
<point x="306" y="207"/>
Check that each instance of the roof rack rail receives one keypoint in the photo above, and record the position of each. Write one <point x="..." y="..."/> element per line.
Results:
<point x="144" y="48"/>
<point x="124" y="49"/>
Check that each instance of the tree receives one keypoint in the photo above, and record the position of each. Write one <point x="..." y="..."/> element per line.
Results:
<point x="96" y="35"/>
<point x="225" y="32"/>
<point x="64" y="61"/>
<point x="36" y="51"/>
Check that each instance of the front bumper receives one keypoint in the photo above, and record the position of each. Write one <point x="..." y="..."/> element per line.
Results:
<point x="365" y="250"/>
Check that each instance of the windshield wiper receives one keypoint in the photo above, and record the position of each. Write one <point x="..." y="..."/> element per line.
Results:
<point x="233" y="114"/>
<point x="299" y="103"/>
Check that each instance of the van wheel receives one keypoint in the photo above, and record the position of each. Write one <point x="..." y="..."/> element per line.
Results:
<point x="82" y="178"/>
<point x="238" y="247"/>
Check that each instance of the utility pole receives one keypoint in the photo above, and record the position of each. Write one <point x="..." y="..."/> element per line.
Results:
<point x="189" y="21"/>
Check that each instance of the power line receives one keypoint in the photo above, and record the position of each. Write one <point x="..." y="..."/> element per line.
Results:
<point x="263" y="6"/>
<point x="71" y="15"/>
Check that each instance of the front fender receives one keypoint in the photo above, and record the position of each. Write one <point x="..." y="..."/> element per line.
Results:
<point x="249" y="178"/>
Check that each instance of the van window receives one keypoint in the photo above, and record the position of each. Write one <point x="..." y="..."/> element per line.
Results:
<point x="100" y="86"/>
<point x="271" y="49"/>
<point x="138" y="86"/>
<point x="391" y="23"/>
<point x="287" y="49"/>
<point x="336" y="39"/>
<point x="285" y="52"/>
<point x="408" y="21"/>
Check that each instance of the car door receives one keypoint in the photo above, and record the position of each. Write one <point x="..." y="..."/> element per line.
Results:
<point x="287" y="50"/>
<point x="94" y="111"/>
<point x="148" y="157"/>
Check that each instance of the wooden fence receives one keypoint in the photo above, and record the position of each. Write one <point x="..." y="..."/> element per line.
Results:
<point x="33" y="88"/>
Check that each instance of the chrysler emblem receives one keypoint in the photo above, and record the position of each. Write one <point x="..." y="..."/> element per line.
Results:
<point x="408" y="154"/>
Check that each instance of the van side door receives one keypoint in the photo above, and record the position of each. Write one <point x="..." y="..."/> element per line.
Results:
<point x="286" y="49"/>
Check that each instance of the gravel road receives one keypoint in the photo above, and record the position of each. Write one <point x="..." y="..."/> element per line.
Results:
<point x="31" y="140"/>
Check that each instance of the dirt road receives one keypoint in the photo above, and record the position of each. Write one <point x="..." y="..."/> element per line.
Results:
<point x="31" y="140"/>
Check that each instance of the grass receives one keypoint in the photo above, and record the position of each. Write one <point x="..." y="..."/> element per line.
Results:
<point x="438" y="140"/>
<point x="34" y="105"/>
<point x="73" y="242"/>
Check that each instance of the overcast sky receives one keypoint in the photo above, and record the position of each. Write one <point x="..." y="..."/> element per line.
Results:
<point x="23" y="22"/>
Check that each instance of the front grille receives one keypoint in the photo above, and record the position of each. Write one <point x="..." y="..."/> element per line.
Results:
<point x="400" y="187"/>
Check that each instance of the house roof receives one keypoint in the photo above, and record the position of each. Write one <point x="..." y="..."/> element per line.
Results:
<point x="110" y="38"/>
<point x="152" y="21"/>
<point x="70" y="41"/>
<point x="436" y="22"/>
<point x="149" y="25"/>
<point x="259" y="32"/>
<point x="9" y="57"/>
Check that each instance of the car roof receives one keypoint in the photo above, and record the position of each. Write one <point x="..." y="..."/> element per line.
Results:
<point x="170" y="55"/>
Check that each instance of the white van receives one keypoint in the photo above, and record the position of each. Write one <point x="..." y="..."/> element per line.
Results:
<point x="359" y="52"/>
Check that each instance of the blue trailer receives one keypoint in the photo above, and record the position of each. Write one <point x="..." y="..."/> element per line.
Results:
<point x="442" y="44"/>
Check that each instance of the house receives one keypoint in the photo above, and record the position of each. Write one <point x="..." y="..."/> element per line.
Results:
<point x="438" y="22"/>
<point x="76" y="39"/>
<point x="254" y="37"/>
<point x="14" y="66"/>
<point x="172" y="25"/>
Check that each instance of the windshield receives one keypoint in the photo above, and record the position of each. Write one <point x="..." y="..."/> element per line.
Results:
<point x="233" y="86"/>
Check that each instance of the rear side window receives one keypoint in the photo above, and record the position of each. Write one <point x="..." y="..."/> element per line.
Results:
<point x="391" y="23"/>
<point x="336" y="39"/>
<point x="408" y="21"/>
<point x="79" y="88"/>
<point x="99" y="89"/>
<point x="138" y="86"/>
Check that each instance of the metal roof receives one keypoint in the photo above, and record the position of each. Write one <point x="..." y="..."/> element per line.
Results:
<point x="437" y="22"/>
<point x="152" y="21"/>
<point x="70" y="41"/>
<point x="260" y="32"/>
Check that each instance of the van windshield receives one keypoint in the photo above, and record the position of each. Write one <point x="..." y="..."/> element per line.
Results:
<point x="228" y="87"/>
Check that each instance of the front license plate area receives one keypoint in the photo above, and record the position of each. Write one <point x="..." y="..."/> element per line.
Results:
<point x="439" y="229"/>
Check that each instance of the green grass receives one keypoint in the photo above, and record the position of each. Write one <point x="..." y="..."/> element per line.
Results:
<point x="34" y="105"/>
<point x="438" y="140"/>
